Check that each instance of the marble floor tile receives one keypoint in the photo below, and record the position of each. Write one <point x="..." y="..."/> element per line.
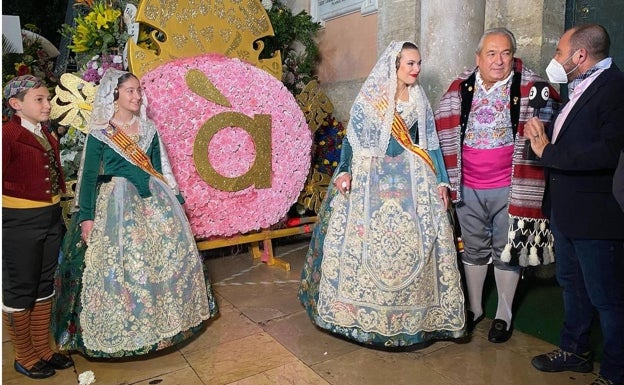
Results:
<point x="132" y="370"/>
<point x="293" y="373"/>
<point x="482" y="362"/>
<point x="262" y="302"/>
<point x="374" y="367"/>
<point x="236" y="360"/>
<point x="310" y="344"/>
<point x="186" y="376"/>
<point x="229" y="325"/>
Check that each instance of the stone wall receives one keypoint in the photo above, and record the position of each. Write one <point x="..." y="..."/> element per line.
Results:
<point x="448" y="38"/>
<point x="537" y="33"/>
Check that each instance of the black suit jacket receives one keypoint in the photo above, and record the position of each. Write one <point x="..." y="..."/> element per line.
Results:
<point x="618" y="182"/>
<point x="581" y="163"/>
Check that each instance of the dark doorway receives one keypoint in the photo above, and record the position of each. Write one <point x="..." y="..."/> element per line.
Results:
<point x="608" y="13"/>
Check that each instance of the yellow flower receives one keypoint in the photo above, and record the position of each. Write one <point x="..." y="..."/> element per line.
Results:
<point x="143" y="35"/>
<point x="78" y="47"/>
<point x="106" y="18"/>
<point x="82" y="29"/>
<point x="81" y="37"/>
<point x="90" y="18"/>
<point x="96" y="29"/>
<point x="101" y="17"/>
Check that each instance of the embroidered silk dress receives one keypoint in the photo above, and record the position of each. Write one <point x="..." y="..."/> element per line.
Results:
<point x="382" y="265"/>
<point x="139" y="286"/>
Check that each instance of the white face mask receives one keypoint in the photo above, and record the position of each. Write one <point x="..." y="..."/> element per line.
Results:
<point x="556" y="73"/>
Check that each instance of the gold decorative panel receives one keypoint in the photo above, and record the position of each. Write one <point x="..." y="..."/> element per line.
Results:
<point x="195" y="27"/>
<point x="314" y="191"/>
<point x="315" y="105"/>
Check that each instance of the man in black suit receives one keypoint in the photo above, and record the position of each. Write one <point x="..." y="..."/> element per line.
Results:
<point x="580" y="156"/>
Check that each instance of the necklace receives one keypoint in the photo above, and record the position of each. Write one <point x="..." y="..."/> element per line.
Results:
<point x="398" y="97"/>
<point x="125" y="126"/>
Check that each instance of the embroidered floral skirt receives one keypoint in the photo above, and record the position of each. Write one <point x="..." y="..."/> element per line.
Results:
<point x="382" y="266"/>
<point x="139" y="286"/>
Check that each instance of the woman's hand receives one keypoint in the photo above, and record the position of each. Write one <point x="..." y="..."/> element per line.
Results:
<point x="444" y="196"/>
<point x="343" y="183"/>
<point x="85" y="229"/>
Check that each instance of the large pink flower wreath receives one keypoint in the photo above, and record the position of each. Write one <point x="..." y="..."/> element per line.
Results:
<point x="179" y="114"/>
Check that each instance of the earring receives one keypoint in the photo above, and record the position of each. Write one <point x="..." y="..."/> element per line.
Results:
<point x="115" y="106"/>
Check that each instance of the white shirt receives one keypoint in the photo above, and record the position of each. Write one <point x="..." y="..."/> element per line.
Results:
<point x="34" y="128"/>
<point x="499" y="83"/>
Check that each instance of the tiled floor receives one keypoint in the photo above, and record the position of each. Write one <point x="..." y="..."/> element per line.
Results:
<point x="264" y="337"/>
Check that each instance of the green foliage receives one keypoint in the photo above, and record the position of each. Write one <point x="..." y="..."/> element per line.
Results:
<point x="98" y="29"/>
<point x="33" y="61"/>
<point x="71" y="147"/>
<point x="298" y="65"/>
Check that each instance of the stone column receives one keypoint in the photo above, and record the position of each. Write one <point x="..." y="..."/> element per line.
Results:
<point x="398" y="20"/>
<point x="449" y="40"/>
<point x="537" y="33"/>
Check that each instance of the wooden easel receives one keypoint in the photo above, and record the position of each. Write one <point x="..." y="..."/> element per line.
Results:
<point x="305" y="226"/>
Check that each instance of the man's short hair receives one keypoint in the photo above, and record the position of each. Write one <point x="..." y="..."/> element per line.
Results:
<point x="497" y="31"/>
<point x="594" y="38"/>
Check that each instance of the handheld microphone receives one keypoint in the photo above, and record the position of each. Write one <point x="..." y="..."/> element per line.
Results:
<point x="538" y="98"/>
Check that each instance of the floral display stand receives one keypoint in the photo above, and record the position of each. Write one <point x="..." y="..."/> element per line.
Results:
<point x="240" y="143"/>
<point x="260" y="242"/>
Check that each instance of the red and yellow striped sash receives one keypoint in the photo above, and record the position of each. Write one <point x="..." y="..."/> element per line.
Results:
<point x="400" y="132"/>
<point x="132" y="150"/>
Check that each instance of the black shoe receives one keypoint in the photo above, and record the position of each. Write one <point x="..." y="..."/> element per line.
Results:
<point x="498" y="331"/>
<point x="60" y="361"/>
<point x="471" y="321"/>
<point x="560" y="361"/>
<point x="39" y="370"/>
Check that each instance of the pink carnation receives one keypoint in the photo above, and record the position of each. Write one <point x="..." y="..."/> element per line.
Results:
<point x="179" y="114"/>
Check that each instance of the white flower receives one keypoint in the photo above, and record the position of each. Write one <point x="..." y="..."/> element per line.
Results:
<point x="86" y="378"/>
<point x="117" y="59"/>
<point x="100" y="71"/>
<point x="94" y="65"/>
<point x="95" y="57"/>
<point x="267" y="4"/>
<point x="289" y="78"/>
